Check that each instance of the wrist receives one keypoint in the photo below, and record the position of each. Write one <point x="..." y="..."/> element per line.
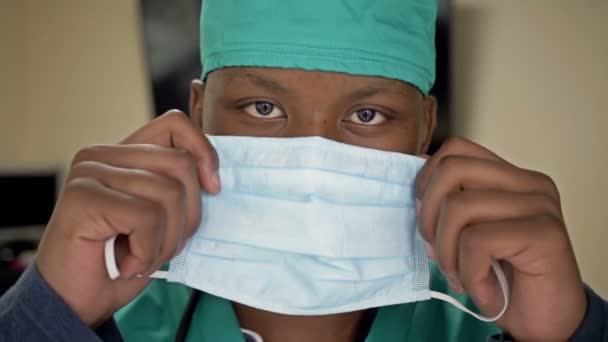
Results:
<point x="88" y="312"/>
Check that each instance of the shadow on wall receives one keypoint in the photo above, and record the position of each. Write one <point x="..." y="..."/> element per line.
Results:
<point x="463" y="65"/>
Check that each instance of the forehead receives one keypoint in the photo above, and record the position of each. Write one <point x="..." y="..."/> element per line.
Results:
<point x="283" y="79"/>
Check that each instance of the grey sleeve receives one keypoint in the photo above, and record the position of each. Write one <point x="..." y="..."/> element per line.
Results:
<point x="594" y="326"/>
<point x="32" y="311"/>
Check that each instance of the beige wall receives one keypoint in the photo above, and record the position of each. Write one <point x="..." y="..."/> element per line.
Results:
<point x="11" y="80"/>
<point x="531" y="83"/>
<point x="71" y="74"/>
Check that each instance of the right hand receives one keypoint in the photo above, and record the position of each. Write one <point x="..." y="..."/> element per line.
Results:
<point x="146" y="190"/>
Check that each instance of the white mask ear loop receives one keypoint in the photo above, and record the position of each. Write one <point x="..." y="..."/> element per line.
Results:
<point x="114" y="273"/>
<point x="504" y="286"/>
<point x="112" y="269"/>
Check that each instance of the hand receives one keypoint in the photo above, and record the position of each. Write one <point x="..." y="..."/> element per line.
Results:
<point x="147" y="191"/>
<point x="474" y="207"/>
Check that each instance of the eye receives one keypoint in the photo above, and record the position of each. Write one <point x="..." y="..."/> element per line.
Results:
<point x="265" y="110"/>
<point x="367" y="116"/>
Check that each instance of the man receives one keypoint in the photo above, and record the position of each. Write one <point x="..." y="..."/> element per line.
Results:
<point x="356" y="72"/>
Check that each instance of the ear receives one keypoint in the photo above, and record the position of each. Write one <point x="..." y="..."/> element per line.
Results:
<point x="197" y="98"/>
<point x="428" y="123"/>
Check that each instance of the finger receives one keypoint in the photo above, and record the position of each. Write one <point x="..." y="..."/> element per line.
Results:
<point x="526" y="245"/>
<point x="174" y="129"/>
<point x="467" y="208"/>
<point x="176" y="164"/>
<point x="168" y="192"/>
<point x="458" y="173"/>
<point x="108" y="212"/>
<point x="453" y="146"/>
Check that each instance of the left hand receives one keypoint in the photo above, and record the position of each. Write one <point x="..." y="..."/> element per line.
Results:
<point x="475" y="206"/>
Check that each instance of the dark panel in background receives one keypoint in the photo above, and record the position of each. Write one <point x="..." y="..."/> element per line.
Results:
<point x="171" y="42"/>
<point x="171" y="31"/>
<point x="27" y="199"/>
<point x="441" y="89"/>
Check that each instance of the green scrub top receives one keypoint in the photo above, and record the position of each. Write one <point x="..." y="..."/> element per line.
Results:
<point x="155" y="315"/>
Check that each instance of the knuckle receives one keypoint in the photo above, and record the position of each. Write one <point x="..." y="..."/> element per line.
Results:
<point x="448" y="164"/>
<point x="452" y="208"/>
<point x="80" y="193"/>
<point x="548" y="220"/>
<point x="547" y="182"/>
<point x="83" y="167"/>
<point x="150" y="212"/>
<point x="84" y="154"/>
<point x="454" y="202"/>
<point x="79" y="186"/>
<point x="456" y="141"/>
<point x="445" y="207"/>
<point x="469" y="241"/>
<point x="183" y="160"/>
<point x="544" y="178"/>
<point x="549" y="204"/>
<point x="173" y="190"/>
<point x="176" y="116"/>
<point x="553" y="232"/>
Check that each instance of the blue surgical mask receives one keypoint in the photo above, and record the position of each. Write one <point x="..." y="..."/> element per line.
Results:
<point x="309" y="226"/>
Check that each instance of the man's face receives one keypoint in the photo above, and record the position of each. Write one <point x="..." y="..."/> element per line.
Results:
<point x="271" y="102"/>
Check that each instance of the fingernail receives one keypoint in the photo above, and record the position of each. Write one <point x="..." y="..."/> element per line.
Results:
<point x="180" y="244"/>
<point x="217" y="185"/>
<point x="418" y="205"/>
<point x="430" y="252"/>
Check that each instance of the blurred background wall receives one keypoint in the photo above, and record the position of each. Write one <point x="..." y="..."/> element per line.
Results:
<point x="71" y="74"/>
<point x="529" y="80"/>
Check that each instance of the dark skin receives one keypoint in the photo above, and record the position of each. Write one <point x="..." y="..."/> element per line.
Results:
<point x="403" y="122"/>
<point x="473" y="205"/>
<point x="403" y="119"/>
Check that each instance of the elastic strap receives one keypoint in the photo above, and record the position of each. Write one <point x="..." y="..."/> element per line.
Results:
<point x="114" y="273"/>
<point x="504" y="286"/>
<point x="112" y="269"/>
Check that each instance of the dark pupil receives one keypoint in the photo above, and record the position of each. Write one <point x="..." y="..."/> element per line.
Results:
<point x="366" y="115"/>
<point x="264" y="108"/>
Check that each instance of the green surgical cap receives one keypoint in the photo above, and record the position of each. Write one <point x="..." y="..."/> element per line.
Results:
<point x="388" y="38"/>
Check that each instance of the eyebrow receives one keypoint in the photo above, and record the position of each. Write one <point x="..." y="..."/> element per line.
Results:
<point x="264" y="82"/>
<point x="371" y="90"/>
<point x="363" y="92"/>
